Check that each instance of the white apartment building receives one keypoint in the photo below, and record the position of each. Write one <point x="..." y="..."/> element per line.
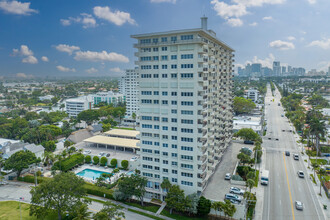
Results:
<point x="252" y="94"/>
<point x="76" y="105"/>
<point x="185" y="101"/>
<point x="131" y="91"/>
<point x="108" y="97"/>
<point x="121" y="85"/>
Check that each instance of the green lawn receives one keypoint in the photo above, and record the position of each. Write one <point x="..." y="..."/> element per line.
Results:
<point x="327" y="178"/>
<point x="9" y="210"/>
<point x="166" y="213"/>
<point x="151" y="208"/>
<point x="319" y="161"/>
<point x="256" y="179"/>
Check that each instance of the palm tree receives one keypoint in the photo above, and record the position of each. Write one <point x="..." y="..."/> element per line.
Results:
<point x="48" y="158"/>
<point x="250" y="183"/>
<point x="82" y="213"/>
<point x="218" y="206"/>
<point x="322" y="172"/>
<point x="315" y="166"/>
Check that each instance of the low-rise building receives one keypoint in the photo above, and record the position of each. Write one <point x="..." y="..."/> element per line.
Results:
<point x="108" y="97"/>
<point x="253" y="122"/>
<point x="46" y="97"/>
<point x="76" y="105"/>
<point x="252" y="94"/>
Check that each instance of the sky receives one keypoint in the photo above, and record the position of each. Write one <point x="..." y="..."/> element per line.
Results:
<point x="92" y="37"/>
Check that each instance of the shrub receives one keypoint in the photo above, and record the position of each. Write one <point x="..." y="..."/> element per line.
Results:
<point x="113" y="162"/>
<point x="38" y="173"/>
<point x="124" y="164"/>
<point x="96" y="160"/>
<point x="115" y="170"/>
<point x="243" y="171"/>
<point x="88" y="159"/>
<point x="30" y="179"/>
<point x="98" y="191"/>
<point x="104" y="161"/>
<point x="69" y="162"/>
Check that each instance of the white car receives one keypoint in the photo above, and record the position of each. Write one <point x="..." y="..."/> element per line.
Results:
<point x="87" y="151"/>
<point x="228" y="176"/>
<point x="101" y="154"/>
<point x="301" y="174"/>
<point x="299" y="205"/>
<point x="236" y="190"/>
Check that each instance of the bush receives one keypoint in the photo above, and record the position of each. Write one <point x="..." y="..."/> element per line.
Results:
<point x="69" y="162"/>
<point x="30" y="179"/>
<point x="88" y="159"/>
<point x="98" y="191"/>
<point x="115" y="170"/>
<point x="96" y="160"/>
<point x="113" y="162"/>
<point x="243" y="171"/>
<point x="104" y="161"/>
<point x="49" y="145"/>
<point x="124" y="164"/>
<point x="38" y="173"/>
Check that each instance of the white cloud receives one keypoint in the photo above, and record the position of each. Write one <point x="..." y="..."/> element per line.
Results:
<point x="117" y="17"/>
<point x="116" y="70"/>
<point x="30" y="59"/>
<point x="268" y="61"/>
<point x="324" y="43"/>
<point x="16" y="7"/>
<point x="67" y="48"/>
<point x="235" y="22"/>
<point x="311" y="1"/>
<point x="226" y="11"/>
<point x="23" y="75"/>
<point x="86" y="20"/>
<point x="92" y="70"/>
<point x="44" y="58"/>
<point x="291" y="38"/>
<point x="65" y="69"/>
<point x="258" y="3"/>
<point x="267" y="18"/>
<point x="281" y="45"/>
<point x="100" y="56"/>
<point x="253" y="24"/>
<point x="160" y="1"/>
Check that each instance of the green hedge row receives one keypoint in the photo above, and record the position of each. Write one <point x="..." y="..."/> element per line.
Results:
<point x="30" y="179"/>
<point x="69" y="162"/>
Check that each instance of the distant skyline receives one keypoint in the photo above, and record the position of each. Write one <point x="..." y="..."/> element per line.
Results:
<point x="61" y="38"/>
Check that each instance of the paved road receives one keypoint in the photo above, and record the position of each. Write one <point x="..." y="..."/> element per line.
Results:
<point x="285" y="187"/>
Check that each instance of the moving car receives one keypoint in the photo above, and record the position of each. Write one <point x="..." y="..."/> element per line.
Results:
<point x="287" y="153"/>
<point x="282" y="115"/>
<point x="236" y="190"/>
<point x="264" y="177"/>
<point x="296" y="156"/>
<point x="301" y="174"/>
<point x="248" y="142"/>
<point x="234" y="197"/>
<point x="299" y="205"/>
<point x="228" y="176"/>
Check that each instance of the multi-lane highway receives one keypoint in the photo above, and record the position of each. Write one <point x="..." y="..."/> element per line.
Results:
<point x="285" y="187"/>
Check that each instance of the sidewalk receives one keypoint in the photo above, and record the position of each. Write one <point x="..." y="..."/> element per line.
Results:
<point x="260" y="190"/>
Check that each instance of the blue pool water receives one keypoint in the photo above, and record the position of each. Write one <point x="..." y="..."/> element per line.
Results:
<point x="89" y="173"/>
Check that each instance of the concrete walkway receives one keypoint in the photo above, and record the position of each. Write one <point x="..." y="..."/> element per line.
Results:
<point x="161" y="208"/>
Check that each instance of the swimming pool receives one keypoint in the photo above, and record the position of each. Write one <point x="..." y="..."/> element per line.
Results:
<point x="90" y="173"/>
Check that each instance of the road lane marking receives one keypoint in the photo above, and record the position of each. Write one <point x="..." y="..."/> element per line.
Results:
<point x="287" y="179"/>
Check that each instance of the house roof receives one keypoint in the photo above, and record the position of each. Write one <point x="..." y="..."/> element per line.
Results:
<point x="114" y="141"/>
<point x="122" y="132"/>
<point x="34" y="148"/>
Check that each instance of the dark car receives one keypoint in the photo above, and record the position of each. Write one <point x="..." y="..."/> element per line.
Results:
<point x="287" y="153"/>
<point x="108" y="155"/>
<point x="248" y="142"/>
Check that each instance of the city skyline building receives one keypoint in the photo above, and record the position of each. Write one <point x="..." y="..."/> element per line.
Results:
<point x="131" y="91"/>
<point x="185" y="98"/>
<point x="277" y="68"/>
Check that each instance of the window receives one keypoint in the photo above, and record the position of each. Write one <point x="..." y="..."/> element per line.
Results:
<point x="187" y="103"/>
<point x="174" y="93"/>
<point x="147" y="151"/>
<point x="156" y="168"/>
<point x="148" y="118"/>
<point x="145" y="58"/>
<point x="186" y="112"/>
<point x="146" y="126"/>
<point x="145" y="67"/>
<point x="157" y="160"/>
<point x="187" y="75"/>
<point x="174" y="111"/>
<point x="156" y="101"/>
<point x="146" y="93"/>
<point x="164" y="67"/>
<point x="156" y="152"/>
<point x="164" y="57"/>
<point x="188" y="166"/>
<point x="165" y="128"/>
<point x="174" y="163"/>
<point x="165" y="145"/>
<point x="156" y="126"/>
<point x="156" y="67"/>
<point x="174" y="180"/>
<point x="155" y="49"/>
<point x="174" y="102"/>
<point x="155" y="40"/>
<point x="174" y="155"/>
<point x="164" y="102"/>
<point x="165" y="170"/>
<point x="145" y="41"/>
<point x="157" y="176"/>
<point x="187" y="121"/>
<point x="187" y="56"/>
<point x="187" y="37"/>
<point x="174" y="129"/>
<point x="164" y="93"/>
<point x="186" y="148"/>
<point x="174" y="137"/>
<point x="164" y="119"/>
<point x="147" y="158"/>
<point x="147" y="166"/>
<point x="164" y="39"/>
<point x="146" y="101"/>
<point x="184" y="139"/>
<point x="145" y="49"/>
<point x="165" y="136"/>
<point x="174" y="57"/>
<point x="187" y="174"/>
<point x="144" y="134"/>
<point x="164" y="48"/>
<point x="164" y="75"/>
<point x="174" y="75"/>
<point x="187" y="130"/>
<point x="156" y="144"/>
<point x="174" y="120"/>
<point x="174" y="171"/>
<point x="186" y="183"/>
<point x="174" y="66"/>
<point x="156" y="118"/>
<point x="174" y="146"/>
<point x="165" y="154"/>
<point x="156" y="93"/>
<point x="173" y="38"/>
<point x="145" y="75"/>
<point x="187" y="66"/>
<point x="156" y="75"/>
<point x="186" y="157"/>
<point x="187" y="94"/>
<point x="147" y="174"/>
<point x="155" y="58"/>
<point x="165" y="161"/>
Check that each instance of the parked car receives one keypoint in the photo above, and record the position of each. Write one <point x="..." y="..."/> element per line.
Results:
<point x="101" y="154"/>
<point x="87" y="151"/>
<point x="234" y="197"/>
<point x="301" y="174"/>
<point x="287" y="153"/>
<point x="236" y="190"/>
<point x="299" y="205"/>
<point x="108" y="155"/>
<point x="248" y="142"/>
<point x="228" y="176"/>
<point x="296" y="156"/>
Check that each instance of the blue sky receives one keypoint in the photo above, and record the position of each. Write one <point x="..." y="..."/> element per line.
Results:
<point x="92" y="37"/>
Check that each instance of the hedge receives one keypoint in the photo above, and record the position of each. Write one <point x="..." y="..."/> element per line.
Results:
<point x="104" y="161"/>
<point x="88" y="159"/>
<point x="98" y="191"/>
<point x="113" y="162"/>
<point x="124" y="164"/>
<point x="69" y="163"/>
<point x="30" y="179"/>
<point x="96" y="160"/>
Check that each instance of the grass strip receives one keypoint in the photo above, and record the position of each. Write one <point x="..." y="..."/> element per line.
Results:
<point x="145" y="214"/>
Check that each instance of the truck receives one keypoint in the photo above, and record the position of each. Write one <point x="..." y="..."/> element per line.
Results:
<point x="264" y="177"/>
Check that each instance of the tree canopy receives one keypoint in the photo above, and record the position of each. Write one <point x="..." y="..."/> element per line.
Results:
<point x="242" y="105"/>
<point x="20" y="161"/>
<point x="247" y="134"/>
